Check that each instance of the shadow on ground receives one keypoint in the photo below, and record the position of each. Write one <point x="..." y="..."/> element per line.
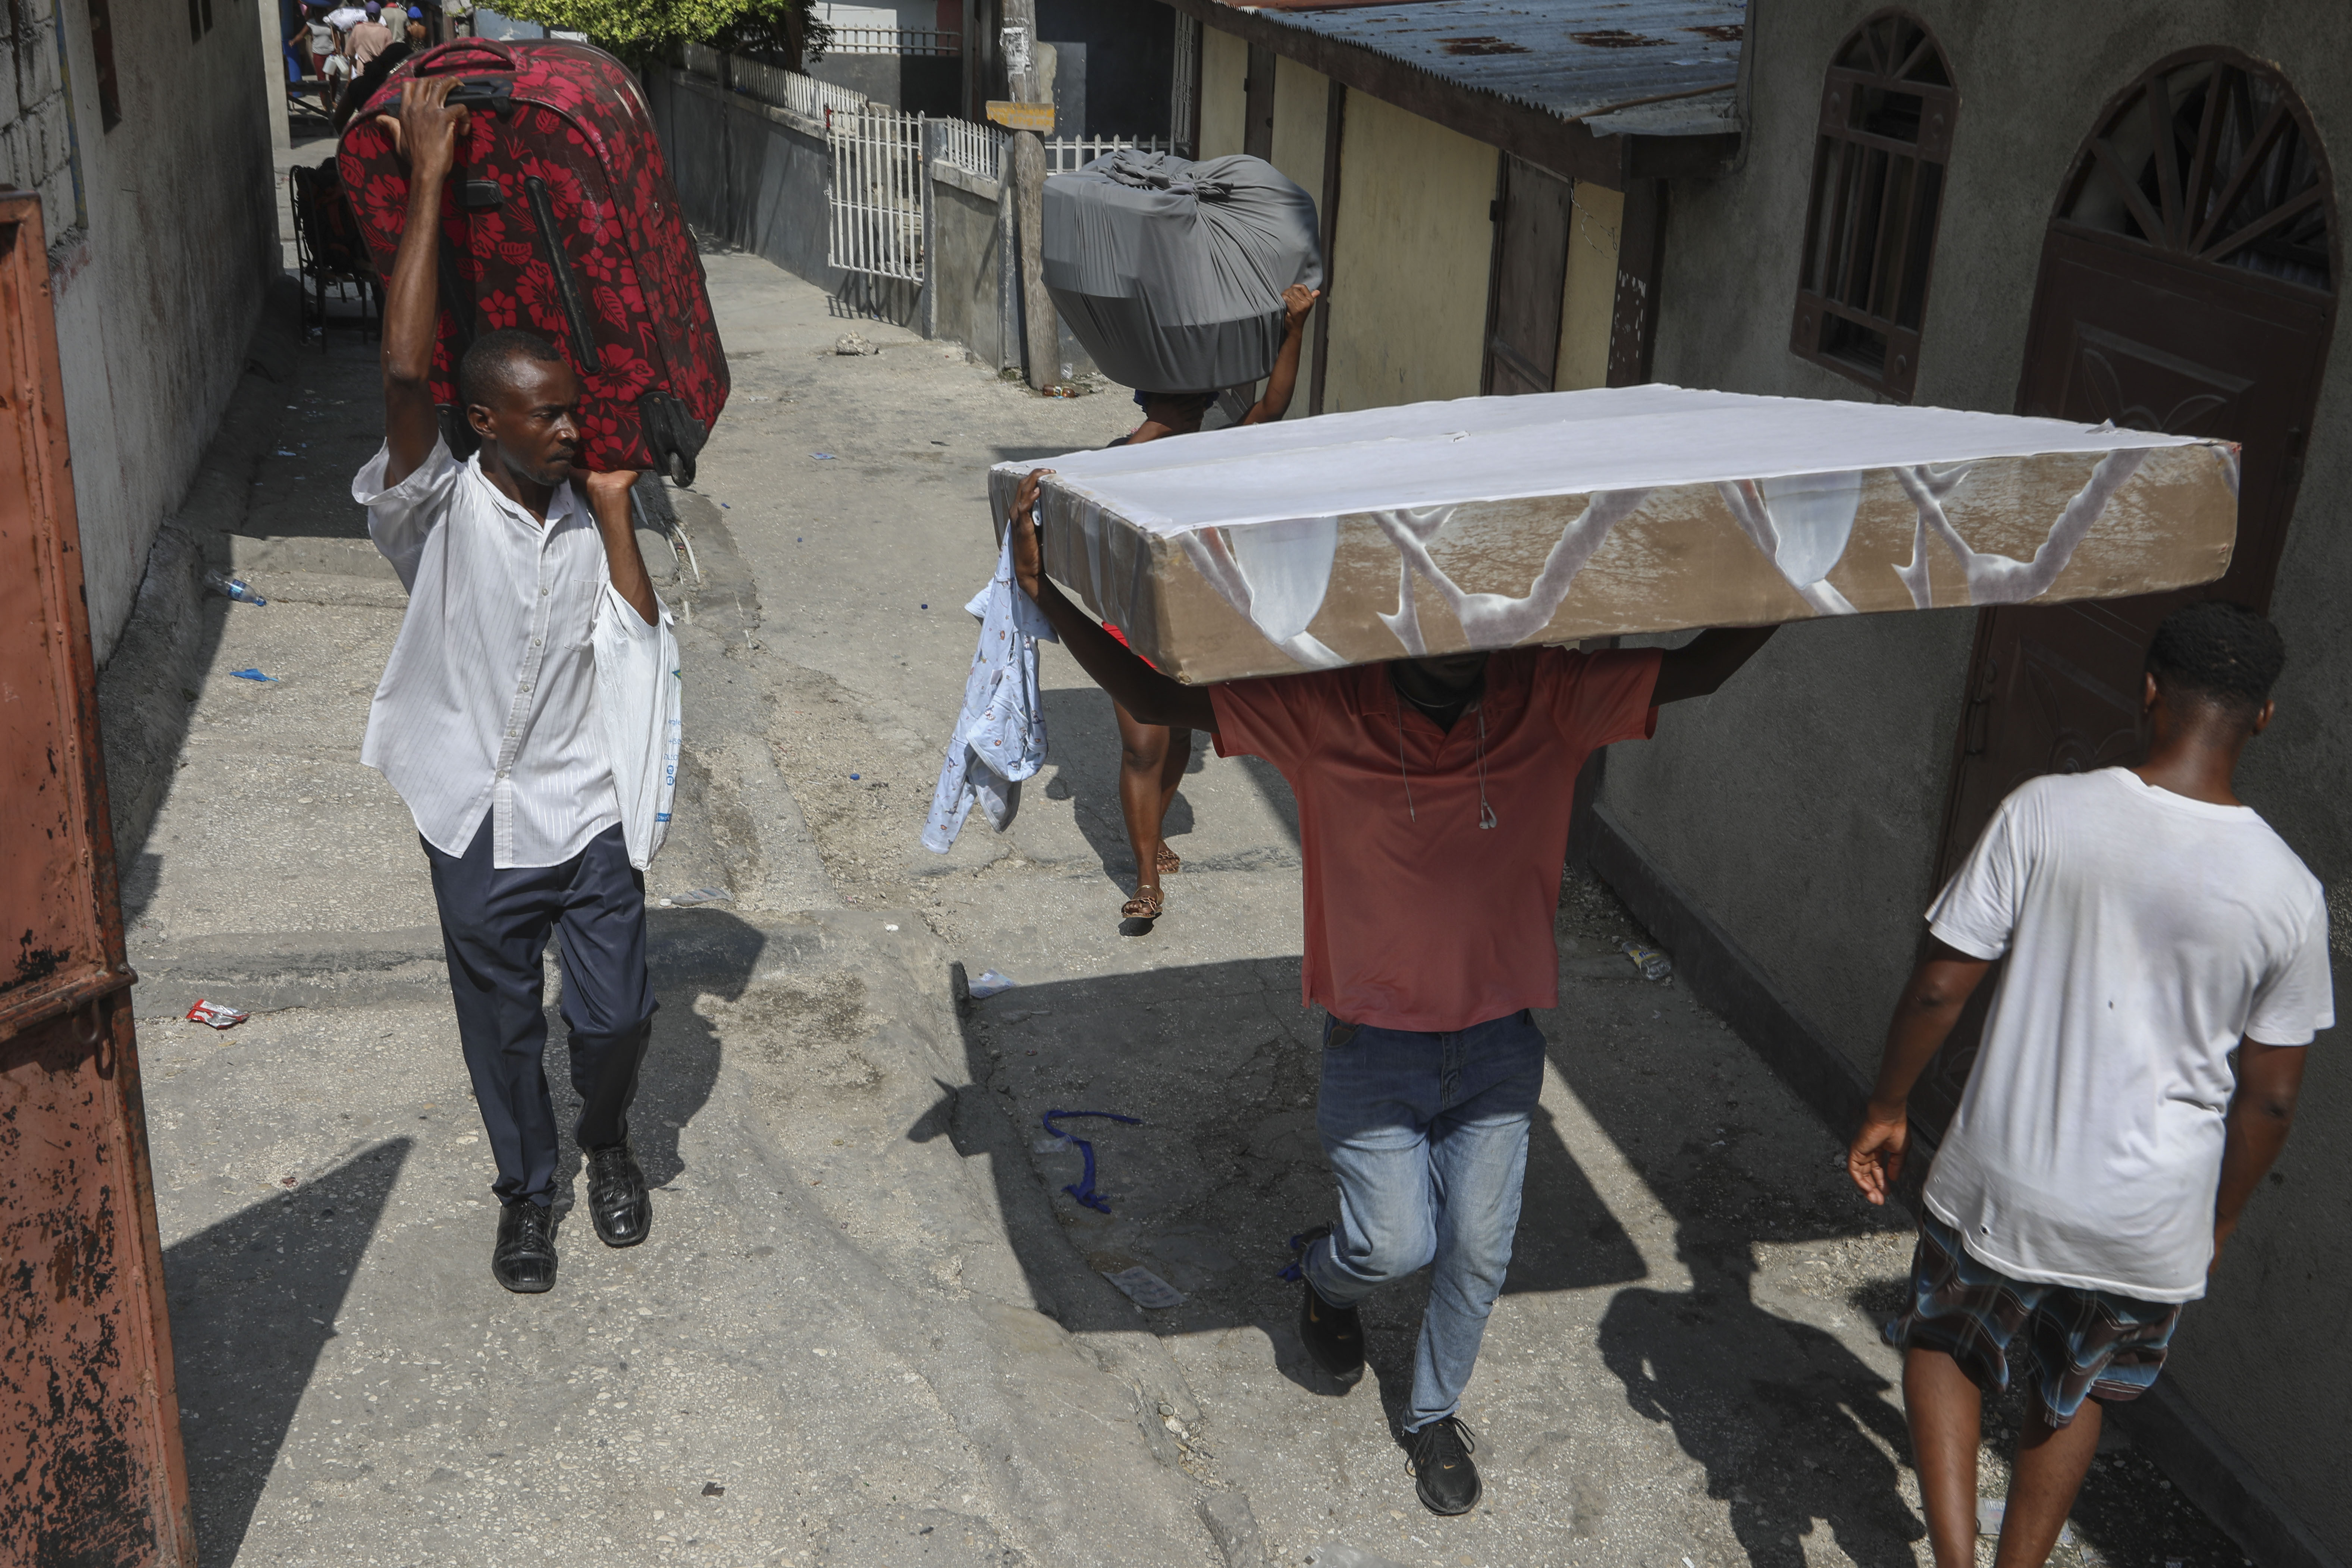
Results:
<point x="1086" y="768"/>
<point x="254" y="1302"/>
<point x="1219" y="1063"/>
<point x="690" y="952"/>
<point x="1792" y="1427"/>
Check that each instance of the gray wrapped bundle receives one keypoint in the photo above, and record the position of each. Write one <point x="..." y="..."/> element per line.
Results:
<point x="1171" y="272"/>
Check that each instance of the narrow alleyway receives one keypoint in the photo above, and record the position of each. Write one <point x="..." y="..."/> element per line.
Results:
<point x="870" y="1326"/>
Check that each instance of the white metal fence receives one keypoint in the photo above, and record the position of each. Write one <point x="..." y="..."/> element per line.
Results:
<point x="893" y="41"/>
<point x="977" y="150"/>
<point x="1066" y="154"/>
<point x="876" y="194"/>
<point x="802" y="95"/>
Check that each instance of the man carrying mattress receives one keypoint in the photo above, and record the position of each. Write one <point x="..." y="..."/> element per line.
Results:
<point x="1433" y="798"/>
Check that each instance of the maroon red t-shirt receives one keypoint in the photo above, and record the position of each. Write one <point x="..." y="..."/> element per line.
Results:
<point x="1418" y="918"/>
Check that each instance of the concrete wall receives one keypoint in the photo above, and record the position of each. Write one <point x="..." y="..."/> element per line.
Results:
<point x="1413" y="249"/>
<point x="747" y="173"/>
<point x="1801" y="807"/>
<point x="968" y="253"/>
<point x="1224" y="70"/>
<point x="158" y="263"/>
<point x="1302" y="104"/>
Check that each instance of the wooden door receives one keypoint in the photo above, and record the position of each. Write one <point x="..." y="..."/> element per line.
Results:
<point x="2185" y="285"/>
<point x="1257" y="103"/>
<point x="1533" y="209"/>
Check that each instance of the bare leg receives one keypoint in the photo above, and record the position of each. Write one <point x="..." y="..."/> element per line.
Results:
<point x="2044" y="1480"/>
<point x="1171" y="771"/>
<point x="1947" y="1416"/>
<point x="1143" y="797"/>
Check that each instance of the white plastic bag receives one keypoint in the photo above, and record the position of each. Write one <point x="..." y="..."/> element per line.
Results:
<point x="638" y="692"/>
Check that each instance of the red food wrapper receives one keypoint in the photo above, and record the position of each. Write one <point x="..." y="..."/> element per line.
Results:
<point x="214" y="1015"/>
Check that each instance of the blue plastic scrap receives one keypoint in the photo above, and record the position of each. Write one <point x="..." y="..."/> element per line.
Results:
<point x="1084" y="1189"/>
<point x="251" y="675"/>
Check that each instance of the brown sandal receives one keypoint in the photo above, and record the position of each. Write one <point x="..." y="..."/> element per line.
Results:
<point x="1168" y="864"/>
<point x="1145" y="905"/>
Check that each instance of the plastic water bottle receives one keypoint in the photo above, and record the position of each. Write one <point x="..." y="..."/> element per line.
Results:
<point x="236" y="588"/>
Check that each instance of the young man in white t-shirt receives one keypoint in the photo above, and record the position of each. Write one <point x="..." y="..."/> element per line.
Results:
<point x="2105" y="1144"/>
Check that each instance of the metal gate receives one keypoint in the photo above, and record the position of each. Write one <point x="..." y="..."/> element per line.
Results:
<point x="877" y="194"/>
<point x="89" y="1438"/>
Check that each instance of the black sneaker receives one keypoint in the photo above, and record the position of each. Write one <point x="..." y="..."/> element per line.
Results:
<point x="617" y="1199"/>
<point x="1442" y="1471"/>
<point x="523" y="1260"/>
<point x="1334" y="1335"/>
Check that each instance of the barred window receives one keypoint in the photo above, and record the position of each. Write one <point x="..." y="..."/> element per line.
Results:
<point x="1885" y="135"/>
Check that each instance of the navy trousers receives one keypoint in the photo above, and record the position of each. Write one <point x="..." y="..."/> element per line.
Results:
<point x="494" y="927"/>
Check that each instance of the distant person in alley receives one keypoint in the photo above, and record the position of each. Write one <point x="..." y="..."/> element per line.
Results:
<point x="1434" y="799"/>
<point x="1153" y="757"/>
<point x="486" y="723"/>
<point x="371" y="37"/>
<point x="2166" y="968"/>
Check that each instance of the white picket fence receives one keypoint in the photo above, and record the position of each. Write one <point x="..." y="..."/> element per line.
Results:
<point x="875" y="198"/>
<point x="877" y="193"/>
<point x="802" y="95"/>
<point x="1067" y="153"/>
<point x="893" y="41"/>
<point x="977" y="150"/>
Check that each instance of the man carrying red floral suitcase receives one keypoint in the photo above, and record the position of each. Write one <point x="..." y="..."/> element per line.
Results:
<point x="486" y="722"/>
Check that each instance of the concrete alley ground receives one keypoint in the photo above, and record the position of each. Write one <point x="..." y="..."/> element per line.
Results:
<point x="871" y="1326"/>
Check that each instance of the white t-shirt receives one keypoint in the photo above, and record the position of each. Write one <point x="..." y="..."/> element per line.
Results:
<point x="2146" y="934"/>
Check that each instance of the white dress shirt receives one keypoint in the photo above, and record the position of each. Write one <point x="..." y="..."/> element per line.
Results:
<point x="488" y="703"/>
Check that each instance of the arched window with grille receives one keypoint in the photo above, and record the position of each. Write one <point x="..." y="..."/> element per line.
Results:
<point x="1886" y="136"/>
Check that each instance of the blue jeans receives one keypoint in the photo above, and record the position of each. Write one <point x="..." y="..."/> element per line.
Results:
<point x="1428" y="1135"/>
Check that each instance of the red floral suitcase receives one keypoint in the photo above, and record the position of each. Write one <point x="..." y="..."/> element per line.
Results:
<point x="560" y="219"/>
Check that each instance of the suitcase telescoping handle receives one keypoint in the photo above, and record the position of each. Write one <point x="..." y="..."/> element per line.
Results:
<point x="483" y="94"/>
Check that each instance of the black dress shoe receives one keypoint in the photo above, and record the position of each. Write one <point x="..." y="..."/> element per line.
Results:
<point x="1442" y="1471"/>
<point x="617" y="1199"/>
<point x="524" y="1258"/>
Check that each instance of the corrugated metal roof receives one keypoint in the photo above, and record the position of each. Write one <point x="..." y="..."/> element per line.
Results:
<point x="1574" y="58"/>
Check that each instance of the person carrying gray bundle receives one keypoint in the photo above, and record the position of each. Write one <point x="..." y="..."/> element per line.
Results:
<point x="1171" y="274"/>
<point x="1180" y="275"/>
<point x="1153" y="757"/>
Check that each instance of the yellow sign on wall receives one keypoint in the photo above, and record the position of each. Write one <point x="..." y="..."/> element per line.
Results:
<point x="1038" y="117"/>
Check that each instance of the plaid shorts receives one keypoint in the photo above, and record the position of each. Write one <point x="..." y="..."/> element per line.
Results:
<point x="2091" y="1343"/>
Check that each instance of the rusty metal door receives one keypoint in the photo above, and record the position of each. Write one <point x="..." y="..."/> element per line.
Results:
<point x="2188" y="292"/>
<point x="89" y="1439"/>
<point x="1533" y="218"/>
